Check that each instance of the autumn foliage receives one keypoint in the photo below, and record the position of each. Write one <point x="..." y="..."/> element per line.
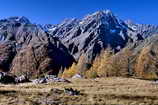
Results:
<point x="76" y="68"/>
<point x="125" y="64"/>
<point x="107" y="64"/>
<point x="97" y="69"/>
<point x="68" y="73"/>
<point x="146" y="64"/>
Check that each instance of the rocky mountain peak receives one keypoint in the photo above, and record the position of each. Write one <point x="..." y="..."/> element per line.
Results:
<point x="129" y="22"/>
<point x="20" y="19"/>
<point x="101" y="16"/>
<point x="145" y="30"/>
<point x="92" y="33"/>
<point x="104" y="13"/>
<point x="69" y="21"/>
<point x="102" y="20"/>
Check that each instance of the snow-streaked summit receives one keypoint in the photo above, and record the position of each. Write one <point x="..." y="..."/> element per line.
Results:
<point x="92" y="33"/>
<point x="20" y="19"/>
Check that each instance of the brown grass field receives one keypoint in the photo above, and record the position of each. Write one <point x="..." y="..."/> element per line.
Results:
<point x="102" y="91"/>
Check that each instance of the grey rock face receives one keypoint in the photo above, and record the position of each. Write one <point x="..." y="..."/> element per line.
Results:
<point x="145" y="30"/>
<point x="61" y="30"/>
<point x="93" y="33"/>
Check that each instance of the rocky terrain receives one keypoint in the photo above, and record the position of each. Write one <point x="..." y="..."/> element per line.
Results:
<point x="36" y="50"/>
<point x="102" y="29"/>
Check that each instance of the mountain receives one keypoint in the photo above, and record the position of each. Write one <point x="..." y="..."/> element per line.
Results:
<point x="145" y="30"/>
<point x="27" y="48"/>
<point x="93" y="33"/>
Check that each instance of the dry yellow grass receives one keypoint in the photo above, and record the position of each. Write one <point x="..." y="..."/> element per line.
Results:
<point x="107" y="91"/>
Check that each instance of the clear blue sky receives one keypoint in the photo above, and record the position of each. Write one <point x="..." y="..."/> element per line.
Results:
<point x="54" y="11"/>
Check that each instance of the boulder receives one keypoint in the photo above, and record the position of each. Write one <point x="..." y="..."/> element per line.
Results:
<point x="49" y="79"/>
<point x="77" y="76"/>
<point x="22" y="79"/>
<point x="71" y="91"/>
<point x="39" y="81"/>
